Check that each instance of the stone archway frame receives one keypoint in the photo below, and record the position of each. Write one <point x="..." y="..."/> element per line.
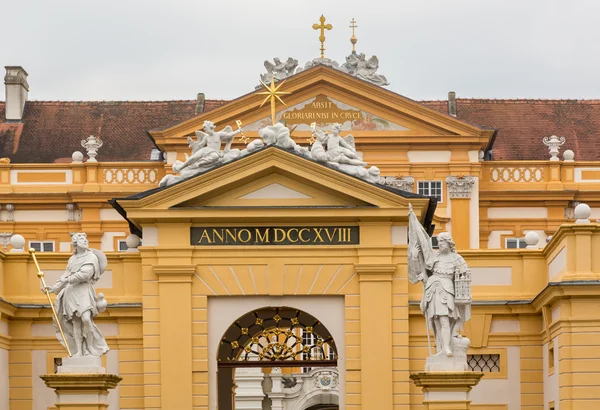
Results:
<point x="223" y="311"/>
<point x="268" y="337"/>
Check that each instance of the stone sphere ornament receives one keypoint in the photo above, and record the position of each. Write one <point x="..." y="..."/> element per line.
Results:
<point x="582" y="214"/>
<point x="77" y="157"/>
<point x="133" y="241"/>
<point x="531" y="239"/>
<point x="18" y="243"/>
<point x="569" y="156"/>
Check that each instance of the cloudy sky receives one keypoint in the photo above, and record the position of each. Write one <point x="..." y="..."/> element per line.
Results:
<point x="154" y="50"/>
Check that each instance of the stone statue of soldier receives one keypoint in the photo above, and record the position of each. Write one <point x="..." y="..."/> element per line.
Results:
<point x="76" y="302"/>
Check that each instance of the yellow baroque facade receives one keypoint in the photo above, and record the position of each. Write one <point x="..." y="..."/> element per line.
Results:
<point x="336" y="260"/>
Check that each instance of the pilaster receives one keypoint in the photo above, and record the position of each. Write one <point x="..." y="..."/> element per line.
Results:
<point x="175" y="324"/>
<point x="459" y="192"/>
<point x="376" y="335"/>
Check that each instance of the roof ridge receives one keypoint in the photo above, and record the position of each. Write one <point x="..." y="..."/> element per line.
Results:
<point x="519" y="100"/>
<point x="82" y="102"/>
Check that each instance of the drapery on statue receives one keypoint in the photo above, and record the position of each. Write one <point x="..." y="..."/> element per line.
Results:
<point x="76" y="303"/>
<point x="340" y="150"/>
<point x="446" y="278"/>
<point x="206" y="150"/>
<point x="359" y="66"/>
<point x="278" y="70"/>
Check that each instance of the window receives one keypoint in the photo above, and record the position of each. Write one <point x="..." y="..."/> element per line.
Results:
<point x="551" y="358"/>
<point x="42" y="246"/>
<point x="123" y="246"/>
<point x="515" y="243"/>
<point x="434" y="242"/>
<point x="432" y="189"/>
<point x="487" y="363"/>
<point x="308" y="339"/>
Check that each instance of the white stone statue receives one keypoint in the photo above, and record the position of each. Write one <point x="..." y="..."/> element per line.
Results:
<point x="340" y="153"/>
<point x="92" y="145"/>
<point x="278" y="70"/>
<point x="446" y="302"/>
<point x="338" y="149"/>
<point x="206" y="152"/>
<point x="358" y="65"/>
<point x="279" y="135"/>
<point x="77" y="304"/>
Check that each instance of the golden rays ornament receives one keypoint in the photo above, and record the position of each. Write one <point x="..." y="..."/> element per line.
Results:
<point x="273" y="94"/>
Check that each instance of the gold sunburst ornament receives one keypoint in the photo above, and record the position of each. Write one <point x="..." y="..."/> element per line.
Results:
<point x="273" y="94"/>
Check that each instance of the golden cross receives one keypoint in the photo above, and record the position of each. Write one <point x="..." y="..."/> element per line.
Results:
<point x="272" y="93"/>
<point x="322" y="27"/>
<point x="353" y="39"/>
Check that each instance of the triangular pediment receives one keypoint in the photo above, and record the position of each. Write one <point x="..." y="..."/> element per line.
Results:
<point x="272" y="184"/>
<point x="274" y="191"/>
<point x="325" y="96"/>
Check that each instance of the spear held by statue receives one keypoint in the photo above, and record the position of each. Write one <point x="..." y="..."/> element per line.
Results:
<point x="40" y="275"/>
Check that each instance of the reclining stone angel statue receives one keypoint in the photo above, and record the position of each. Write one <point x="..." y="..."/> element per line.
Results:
<point x="206" y="152"/>
<point x="338" y="149"/>
<point x="359" y="66"/>
<point x="340" y="153"/>
<point x="278" y="70"/>
<point x="446" y="302"/>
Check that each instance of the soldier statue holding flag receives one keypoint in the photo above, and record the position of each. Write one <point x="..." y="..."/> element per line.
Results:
<point x="446" y="302"/>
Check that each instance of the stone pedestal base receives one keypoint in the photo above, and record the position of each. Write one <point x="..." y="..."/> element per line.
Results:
<point x="446" y="390"/>
<point x="85" y="364"/>
<point x="77" y="391"/>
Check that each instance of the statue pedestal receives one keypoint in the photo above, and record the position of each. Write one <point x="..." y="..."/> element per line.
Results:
<point x="446" y="390"/>
<point x="81" y="384"/>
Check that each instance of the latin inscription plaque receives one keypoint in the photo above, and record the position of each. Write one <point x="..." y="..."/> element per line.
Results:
<point x="287" y="235"/>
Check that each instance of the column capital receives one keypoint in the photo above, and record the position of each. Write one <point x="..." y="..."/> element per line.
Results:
<point x="174" y="273"/>
<point x="368" y="272"/>
<point x="460" y="187"/>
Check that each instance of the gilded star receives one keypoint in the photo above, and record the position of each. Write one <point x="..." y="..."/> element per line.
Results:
<point x="273" y="94"/>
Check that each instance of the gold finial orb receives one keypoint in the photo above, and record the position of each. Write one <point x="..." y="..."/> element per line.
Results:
<point x="322" y="27"/>
<point x="353" y="39"/>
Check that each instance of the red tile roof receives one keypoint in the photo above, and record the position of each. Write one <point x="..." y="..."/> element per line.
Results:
<point x="52" y="130"/>
<point x="522" y="124"/>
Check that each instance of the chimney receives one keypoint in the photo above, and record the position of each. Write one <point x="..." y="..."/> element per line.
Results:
<point x="199" y="103"/>
<point x="17" y="89"/>
<point x="452" y="103"/>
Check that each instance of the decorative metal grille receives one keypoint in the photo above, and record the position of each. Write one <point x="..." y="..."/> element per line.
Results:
<point x="487" y="363"/>
<point x="277" y="335"/>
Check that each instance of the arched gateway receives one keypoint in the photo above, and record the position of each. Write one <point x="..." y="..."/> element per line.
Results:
<point x="269" y="340"/>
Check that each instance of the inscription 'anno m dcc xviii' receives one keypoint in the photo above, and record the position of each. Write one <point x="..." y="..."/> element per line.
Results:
<point x="297" y="235"/>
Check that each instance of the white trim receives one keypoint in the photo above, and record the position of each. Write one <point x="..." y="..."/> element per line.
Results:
<point x="429" y="156"/>
<point x="517" y="212"/>
<point x="578" y="177"/>
<point x="15" y="172"/>
<point x="474" y="214"/>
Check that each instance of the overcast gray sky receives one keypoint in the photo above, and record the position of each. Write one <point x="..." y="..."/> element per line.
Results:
<point x="158" y="49"/>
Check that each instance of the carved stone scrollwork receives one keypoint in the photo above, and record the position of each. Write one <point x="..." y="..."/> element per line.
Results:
<point x="5" y="240"/>
<point x="403" y="183"/>
<point x="10" y="212"/>
<point x="460" y="187"/>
